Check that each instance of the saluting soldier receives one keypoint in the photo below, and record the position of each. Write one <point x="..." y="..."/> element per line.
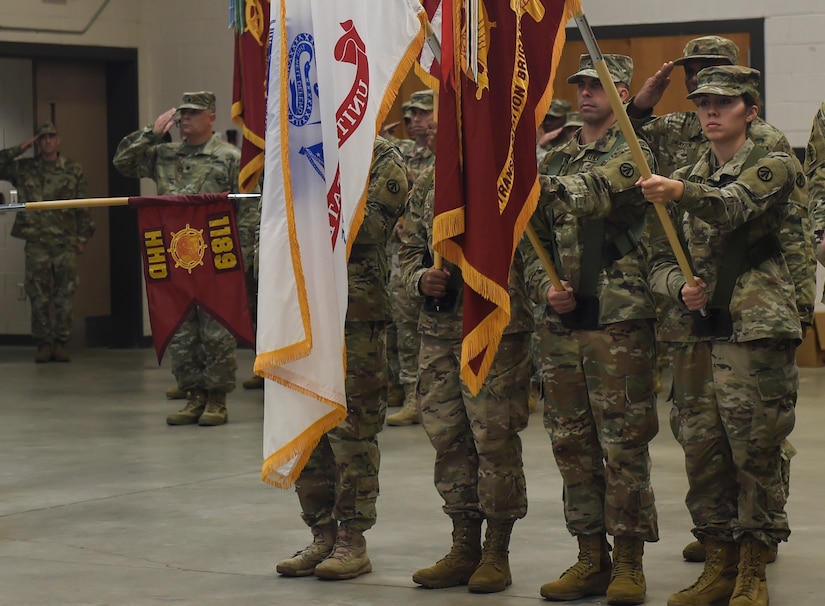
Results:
<point x="54" y="238"/>
<point x="202" y="351"/>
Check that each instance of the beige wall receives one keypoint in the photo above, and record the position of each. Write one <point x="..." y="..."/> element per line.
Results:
<point x="182" y="45"/>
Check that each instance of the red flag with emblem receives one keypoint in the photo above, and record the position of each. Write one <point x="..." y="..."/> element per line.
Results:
<point x="192" y="256"/>
<point x="249" y="87"/>
<point x="486" y="183"/>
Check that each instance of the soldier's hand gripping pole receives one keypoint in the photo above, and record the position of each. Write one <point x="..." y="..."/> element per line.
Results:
<point x="630" y="135"/>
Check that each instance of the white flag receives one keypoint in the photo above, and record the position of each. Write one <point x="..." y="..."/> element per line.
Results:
<point x="335" y="69"/>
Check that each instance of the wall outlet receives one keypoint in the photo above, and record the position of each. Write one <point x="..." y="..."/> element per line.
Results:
<point x="21" y="292"/>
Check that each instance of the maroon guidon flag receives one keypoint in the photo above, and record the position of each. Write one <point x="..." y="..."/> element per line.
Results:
<point x="497" y="66"/>
<point x="192" y="256"/>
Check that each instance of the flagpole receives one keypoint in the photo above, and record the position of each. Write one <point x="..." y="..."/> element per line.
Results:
<point x="90" y="202"/>
<point x="435" y="47"/>
<point x="632" y="141"/>
<point x="546" y="262"/>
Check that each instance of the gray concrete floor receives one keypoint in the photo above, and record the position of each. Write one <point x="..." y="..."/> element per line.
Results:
<point x="102" y="503"/>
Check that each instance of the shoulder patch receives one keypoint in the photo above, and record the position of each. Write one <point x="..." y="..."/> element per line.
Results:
<point x="627" y="169"/>
<point x="393" y="186"/>
<point x="800" y="180"/>
<point x="764" y="173"/>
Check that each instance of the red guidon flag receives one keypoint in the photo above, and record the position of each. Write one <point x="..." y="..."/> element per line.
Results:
<point x="249" y="87"/>
<point x="191" y="256"/>
<point x="486" y="181"/>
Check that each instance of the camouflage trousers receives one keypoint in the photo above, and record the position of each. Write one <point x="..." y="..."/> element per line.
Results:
<point x="600" y="413"/>
<point x="733" y="406"/>
<point x="202" y="353"/>
<point x="51" y="281"/>
<point x="478" y="453"/>
<point x="403" y="339"/>
<point x="340" y="480"/>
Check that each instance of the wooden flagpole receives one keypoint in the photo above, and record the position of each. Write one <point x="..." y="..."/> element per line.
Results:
<point x="632" y="141"/>
<point x="435" y="46"/>
<point x="90" y="202"/>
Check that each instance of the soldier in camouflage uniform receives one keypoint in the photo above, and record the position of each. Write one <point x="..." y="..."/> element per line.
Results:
<point x="677" y="140"/>
<point x="598" y="344"/>
<point x="417" y="159"/>
<point x="395" y="390"/>
<point x="815" y="171"/>
<point x="478" y="462"/>
<point x="53" y="238"/>
<point x="338" y="486"/>
<point x="551" y="130"/>
<point x="730" y="207"/>
<point x="202" y="351"/>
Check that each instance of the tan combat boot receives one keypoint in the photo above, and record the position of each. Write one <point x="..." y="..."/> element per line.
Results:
<point x="536" y="397"/>
<point x="395" y="395"/>
<point x="493" y="573"/>
<point x="590" y="575"/>
<point x="303" y="563"/>
<point x="348" y="559"/>
<point x="190" y="413"/>
<point x="751" y="586"/>
<point x="254" y="382"/>
<point x="458" y="566"/>
<point x="715" y="585"/>
<point x="695" y="552"/>
<point x="44" y="353"/>
<point x="627" y="581"/>
<point x="175" y="393"/>
<point x="408" y="415"/>
<point x="215" y="411"/>
<point x="60" y="353"/>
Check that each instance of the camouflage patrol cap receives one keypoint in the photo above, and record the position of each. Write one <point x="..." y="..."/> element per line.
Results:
<point x="47" y="128"/>
<point x="558" y="108"/>
<point x="619" y="66"/>
<point x="728" y="81"/>
<point x="574" y="119"/>
<point x="710" y="47"/>
<point x="405" y="110"/>
<point x="201" y="100"/>
<point x="422" y="99"/>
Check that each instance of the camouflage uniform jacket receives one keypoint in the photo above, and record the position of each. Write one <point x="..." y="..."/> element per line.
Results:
<point x="368" y="265"/>
<point x="416" y="159"/>
<point x="179" y="168"/>
<point x="815" y="170"/>
<point x="595" y="181"/>
<point x="37" y="180"/>
<point x="416" y="254"/>
<point x="716" y="202"/>
<point x="677" y="141"/>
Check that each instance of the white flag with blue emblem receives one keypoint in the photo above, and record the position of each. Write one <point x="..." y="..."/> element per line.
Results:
<point x="335" y="69"/>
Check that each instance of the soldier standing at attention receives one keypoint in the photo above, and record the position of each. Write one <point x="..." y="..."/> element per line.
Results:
<point x="677" y="140"/>
<point x="730" y="207"/>
<point x="478" y="470"/>
<point x="202" y="351"/>
<point x="815" y="171"/>
<point x="338" y="487"/>
<point x="54" y="238"/>
<point x="405" y="309"/>
<point x="598" y="345"/>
